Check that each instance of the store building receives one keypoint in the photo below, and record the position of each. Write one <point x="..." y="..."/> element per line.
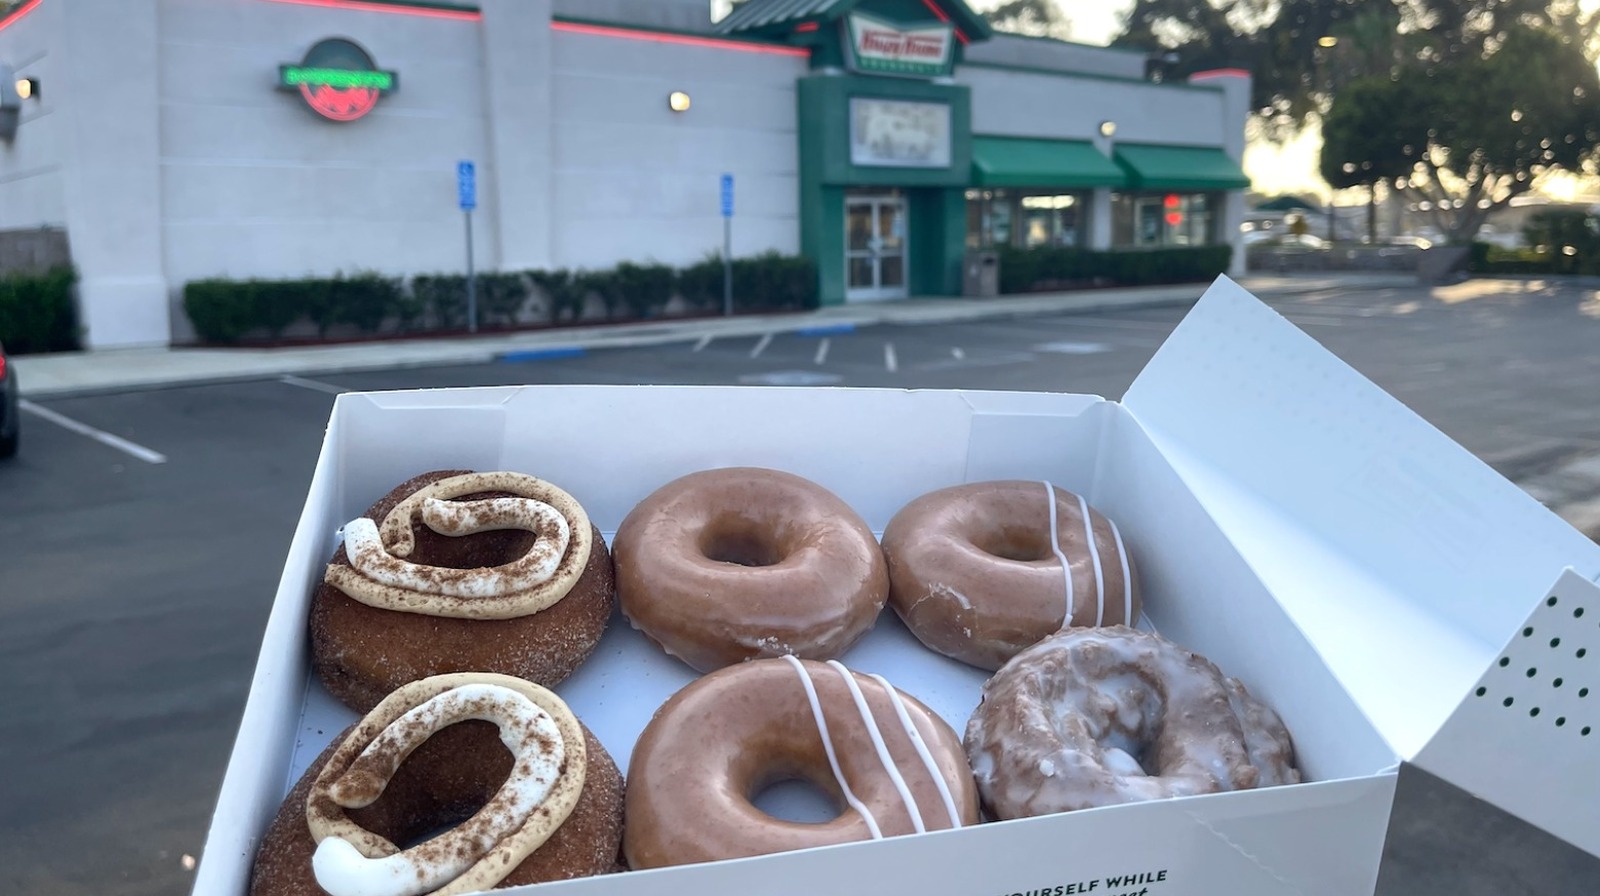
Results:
<point x="179" y="139"/>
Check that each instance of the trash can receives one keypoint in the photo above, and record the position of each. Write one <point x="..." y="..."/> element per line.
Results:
<point x="981" y="273"/>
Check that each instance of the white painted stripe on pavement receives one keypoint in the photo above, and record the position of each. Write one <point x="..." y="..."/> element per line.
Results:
<point x="890" y="362"/>
<point x="99" y="435"/>
<point x="822" y="352"/>
<point x="957" y="353"/>
<point x="761" y="346"/>
<point x="302" y="382"/>
<point x="704" y="341"/>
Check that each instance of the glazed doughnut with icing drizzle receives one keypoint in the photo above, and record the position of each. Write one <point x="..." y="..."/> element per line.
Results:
<point x="980" y="571"/>
<point x="1099" y="716"/>
<point x="890" y="764"/>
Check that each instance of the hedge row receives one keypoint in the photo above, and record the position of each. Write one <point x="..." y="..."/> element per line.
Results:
<point x="1564" y="241"/>
<point x="226" y="311"/>
<point x="1047" y="268"/>
<point x="37" y="313"/>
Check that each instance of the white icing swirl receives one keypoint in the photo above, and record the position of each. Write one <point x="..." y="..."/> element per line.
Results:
<point x="876" y="736"/>
<point x="457" y="518"/>
<point x="827" y="746"/>
<point x="546" y="780"/>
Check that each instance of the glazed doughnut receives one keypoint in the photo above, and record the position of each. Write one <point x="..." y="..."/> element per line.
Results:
<point x="980" y="571"/>
<point x="455" y="571"/>
<point x="890" y="764"/>
<point x="1098" y="716"/>
<point x="746" y="563"/>
<point x="532" y="795"/>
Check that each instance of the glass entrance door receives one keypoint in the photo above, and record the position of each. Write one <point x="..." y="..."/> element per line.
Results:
<point x="875" y="247"/>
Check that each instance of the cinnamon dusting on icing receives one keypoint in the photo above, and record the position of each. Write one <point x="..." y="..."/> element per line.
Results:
<point x="380" y="576"/>
<point x="546" y="780"/>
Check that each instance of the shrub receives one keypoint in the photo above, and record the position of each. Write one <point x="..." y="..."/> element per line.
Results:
<point x="644" y="289"/>
<point x="445" y="295"/>
<point x="700" y="283"/>
<point x="365" y="300"/>
<point x="501" y="297"/>
<point x="603" y="284"/>
<point x="220" y="310"/>
<point x="1046" y="268"/>
<point x="37" y="313"/>
<point x="564" y="294"/>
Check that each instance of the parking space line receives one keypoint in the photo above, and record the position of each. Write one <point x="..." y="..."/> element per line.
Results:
<point x="99" y="435"/>
<point x="957" y="353"/>
<point x="822" y="351"/>
<point x="704" y="341"/>
<point x="315" y="385"/>
<point x="761" y="346"/>
<point x="890" y="362"/>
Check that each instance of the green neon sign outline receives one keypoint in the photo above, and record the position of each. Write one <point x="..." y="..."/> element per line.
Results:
<point x="342" y="79"/>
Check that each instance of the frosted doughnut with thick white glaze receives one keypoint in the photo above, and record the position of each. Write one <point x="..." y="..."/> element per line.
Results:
<point x="1099" y="716"/>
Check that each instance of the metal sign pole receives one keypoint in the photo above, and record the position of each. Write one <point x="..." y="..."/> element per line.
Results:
<point x="727" y="245"/>
<point x="472" y="280"/>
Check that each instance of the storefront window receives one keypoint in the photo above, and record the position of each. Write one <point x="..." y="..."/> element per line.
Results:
<point x="1024" y="218"/>
<point x="1151" y="220"/>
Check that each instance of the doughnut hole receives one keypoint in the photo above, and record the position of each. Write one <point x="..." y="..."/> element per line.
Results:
<point x="433" y="790"/>
<point x="1023" y="544"/>
<point x="739" y="540"/>
<point x="796" y="798"/>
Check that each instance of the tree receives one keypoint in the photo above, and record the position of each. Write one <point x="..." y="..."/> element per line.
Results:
<point x="1036" y="18"/>
<point x="1374" y="133"/>
<point x="1469" y="135"/>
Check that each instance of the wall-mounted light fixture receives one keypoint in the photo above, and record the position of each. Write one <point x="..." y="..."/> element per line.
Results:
<point x="1108" y="129"/>
<point x="28" y="88"/>
<point x="678" y="101"/>
<point x="1327" y="40"/>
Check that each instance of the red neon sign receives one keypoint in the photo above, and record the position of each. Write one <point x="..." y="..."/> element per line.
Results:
<point x="466" y="15"/>
<point x="19" y="13"/>
<point x="681" y="39"/>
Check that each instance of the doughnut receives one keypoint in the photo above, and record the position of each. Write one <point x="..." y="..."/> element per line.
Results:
<point x="745" y="563"/>
<point x="455" y="571"/>
<point x="891" y="765"/>
<point x="530" y="793"/>
<point x="1100" y="716"/>
<point x="980" y="571"/>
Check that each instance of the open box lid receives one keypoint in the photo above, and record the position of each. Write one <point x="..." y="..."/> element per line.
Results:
<point x="1409" y="564"/>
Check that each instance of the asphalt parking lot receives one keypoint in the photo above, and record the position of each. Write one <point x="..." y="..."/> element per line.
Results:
<point x="143" y="534"/>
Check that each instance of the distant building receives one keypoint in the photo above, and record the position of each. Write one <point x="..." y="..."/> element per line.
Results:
<point x="181" y="139"/>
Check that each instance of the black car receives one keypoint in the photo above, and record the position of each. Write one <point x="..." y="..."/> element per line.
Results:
<point x="9" y="424"/>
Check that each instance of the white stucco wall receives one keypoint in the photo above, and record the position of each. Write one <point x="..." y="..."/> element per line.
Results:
<point x="256" y="184"/>
<point x="1028" y="104"/>
<point x="635" y="181"/>
<point x="1060" y="56"/>
<point x="31" y="166"/>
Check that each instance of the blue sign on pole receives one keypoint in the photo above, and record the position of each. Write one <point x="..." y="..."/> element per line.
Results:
<point x="727" y="195"/>
<point x="467" y="186"/>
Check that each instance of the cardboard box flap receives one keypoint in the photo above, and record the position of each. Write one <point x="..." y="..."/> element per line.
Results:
<point x="1405" y="560"/>
<point x="1540" y="697"/>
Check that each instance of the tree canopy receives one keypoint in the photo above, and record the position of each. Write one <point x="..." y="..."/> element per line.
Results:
<point x="1037" y="18"/>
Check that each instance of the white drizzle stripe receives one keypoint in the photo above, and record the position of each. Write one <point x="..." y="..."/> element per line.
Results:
<point x="1055" y="545"/>
<point x="906" y="799"/>
<point x="1127" y="576"/>
<point x="922" y="750"/>
<point x="827" y="745"/>
<point x="1094" y="554"/>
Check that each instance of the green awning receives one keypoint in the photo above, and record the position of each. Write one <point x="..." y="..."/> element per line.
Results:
<point x="1197" y="168"/>
<point x="1027" y="162"/>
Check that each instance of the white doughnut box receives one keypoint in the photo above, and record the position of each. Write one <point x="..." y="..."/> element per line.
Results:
<point x="1390" y="595"/>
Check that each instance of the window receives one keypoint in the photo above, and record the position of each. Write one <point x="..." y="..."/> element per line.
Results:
<point x="1024" y="218"/>
<point x="1150" y="220"/>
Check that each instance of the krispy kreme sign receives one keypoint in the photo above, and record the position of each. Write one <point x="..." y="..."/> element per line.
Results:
<point x="884" y="48"/>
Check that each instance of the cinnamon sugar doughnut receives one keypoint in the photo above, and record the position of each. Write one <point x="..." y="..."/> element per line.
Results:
<point x="743" y="563"/>
<point x="455" y="571"/>
<point x="1098" y="716"/>
<point x="532" y="795"/>
<point x="982" y="570"/>
<point x="892" y="766"/>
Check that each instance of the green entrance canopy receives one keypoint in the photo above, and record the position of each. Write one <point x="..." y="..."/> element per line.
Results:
<point x="1197" y="168"/>
<point x="1025" y="162"/>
